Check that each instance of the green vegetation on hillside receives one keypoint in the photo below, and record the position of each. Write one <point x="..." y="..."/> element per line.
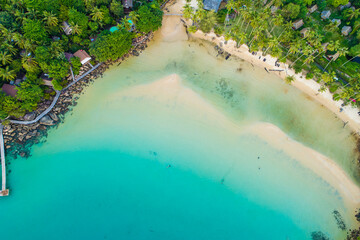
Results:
<point x="322" y="52"/>
<point x="32" y="42"/>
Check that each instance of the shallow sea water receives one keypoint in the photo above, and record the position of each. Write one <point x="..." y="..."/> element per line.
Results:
<point x="131" y="164"/>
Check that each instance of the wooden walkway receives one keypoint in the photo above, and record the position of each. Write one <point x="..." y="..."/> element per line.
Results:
<point x="58" y="93"/>
<point x="4" y="191"/>
<point x="173" y="14"/>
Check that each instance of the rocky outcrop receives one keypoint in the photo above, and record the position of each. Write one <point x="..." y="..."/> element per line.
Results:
<point x="18" y="138"/>
<point x="29" y="116"/>
<point x="54" y="117"/>
<point x="46" y="120"/>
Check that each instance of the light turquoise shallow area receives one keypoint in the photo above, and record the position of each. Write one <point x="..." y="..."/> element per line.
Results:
<point x="103" y="173"/>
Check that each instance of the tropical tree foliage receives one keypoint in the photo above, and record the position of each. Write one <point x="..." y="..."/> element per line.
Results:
<point x="32" y="41"/>
<point x="111" y="46"/>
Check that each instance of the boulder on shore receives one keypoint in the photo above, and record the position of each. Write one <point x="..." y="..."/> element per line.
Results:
<point x="29" y="116"/>
<point x="54" y="117"/>
<point x="46" y="120"/>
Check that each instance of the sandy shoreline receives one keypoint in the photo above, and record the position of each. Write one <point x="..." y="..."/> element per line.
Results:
<point x="321" y="165"/>
<point x="310" y="87"/>
<point x="171" y="89"/>
<point x="349" y="115"/>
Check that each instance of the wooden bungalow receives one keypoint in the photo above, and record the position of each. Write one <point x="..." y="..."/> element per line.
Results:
<point x="66" y="28"/>
<point x="47" y="81"/>
<point x="346" y="30"/>
<point x="84" y="56"/>
<point x="212" y="5"/>
<point x="298" y="24"/>
<point x="9" y="90"/>
<point x="273" y="9"/>
<point x="333" y="56"/>
<point x="342" y="7"/>
<point x="337" y="21"/>
<point x="313" y="8"/>
<point x="304" y="32"/>
<point x="325" y="14"/>
<point x="128" y="5"/>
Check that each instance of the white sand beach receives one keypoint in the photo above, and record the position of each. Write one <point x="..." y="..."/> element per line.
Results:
<point x="170" y="89"/>
<point x="309" y="86"/>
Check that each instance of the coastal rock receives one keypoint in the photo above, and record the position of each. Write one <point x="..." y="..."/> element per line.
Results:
<point x="54" y="117"/>
<point x="46" y="120"/>
<point x="29" y="116"/>
<point x="135" y="53"/>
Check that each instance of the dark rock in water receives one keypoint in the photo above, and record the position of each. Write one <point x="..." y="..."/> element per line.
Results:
<point x="135" y="53"/>
<point x="22" y="154"/>
<point x="357" y="215"/>
<point x="54" y="117"/>
<point x="318" y="235"/>
<point x="29" y="116"/>
<point x="339" y="220"/>
<point x="46" y="120"/>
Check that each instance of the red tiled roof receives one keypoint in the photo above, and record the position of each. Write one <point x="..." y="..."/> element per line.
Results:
<point x="9" y="90"/>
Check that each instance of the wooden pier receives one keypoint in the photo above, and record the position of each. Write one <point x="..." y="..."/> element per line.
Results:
<point x="4" y="191"/>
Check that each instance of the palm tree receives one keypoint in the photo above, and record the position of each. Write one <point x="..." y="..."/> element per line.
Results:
<point x="76" y="29"/>
<point x="294" y="47"/>
<point x="287" y="26"/>
<point x="97" y="14"/>
<point x="230" y="5"/>
<point x="5" y="58"/>
<point x="356" y="27"/>
<point x="289" y="79"/>
<point x="134" y="17"/>
<point x="208" y="22"/>
<point x="351" y="13"/>
<point x="50" y="19"/>
<point x="332" y="27"/>
<point x="125" y="24"/>
<point x="328" y="77"/>
<point x="272" y="43"/>
<point x="32" y="13"/>
<point x="7" y="74"/>
<point x="342" y="51"/>
<point x="29" y="45"/>
<point x="278" y="20"/>
<point x="56" y="49"/>
<point x="309" y="60"/>
<point x="29" y="63"/>
<point x="188" y="11"/>
<point x="9" y="48"/>
<point x="306" y="51"/>
<point x="356" y="54"/>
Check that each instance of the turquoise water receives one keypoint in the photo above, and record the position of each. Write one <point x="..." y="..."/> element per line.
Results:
<point x="133" y="161"/>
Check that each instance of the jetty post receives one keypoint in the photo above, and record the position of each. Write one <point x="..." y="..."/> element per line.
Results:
<point x="4" y="191"/>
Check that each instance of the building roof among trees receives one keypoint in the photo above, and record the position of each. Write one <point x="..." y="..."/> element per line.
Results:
<point x="304" y="32"/>
<point x="9" y="90"/>
<point x="298" y="24"/>
<point x="66" y="27"/>
<point x="338" y="21"/>
<point x="346" y="30"/>
<point x="84" y="56"/>
<point x="325" y="14"/>
<point x="212" y="5"/>
<point x="313" y="8"/>
<point x="127" y="3"/>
